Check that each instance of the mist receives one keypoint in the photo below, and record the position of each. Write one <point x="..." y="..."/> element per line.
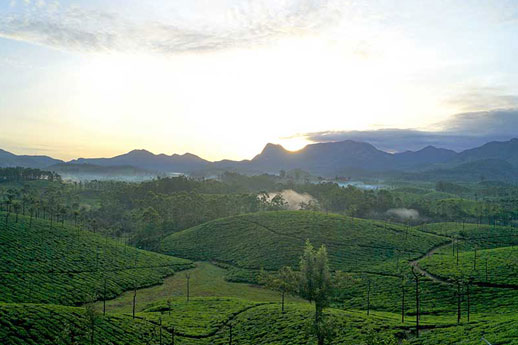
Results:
<point x="403" y="213"/>
<point x="293" y="198"/>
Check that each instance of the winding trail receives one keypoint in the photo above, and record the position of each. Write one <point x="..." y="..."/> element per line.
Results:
<point x="445" y="281"/>
<point x="415" y="264"/>
<point x="215" y="331"/>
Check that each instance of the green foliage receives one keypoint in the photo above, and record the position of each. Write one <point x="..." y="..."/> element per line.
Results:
<point x="31" y="324"/>
<point x="66" y="265"/>
<point x="502" y="265"/>
<point x="199" y="316"/>
<point x="248" y="241"/>
<point x="26" y="174"/>
<point x="449" y="187"/>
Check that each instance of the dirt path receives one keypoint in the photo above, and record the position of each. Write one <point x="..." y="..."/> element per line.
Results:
<point x="415" y="264"/>
<point x="213" y="332"/>
<point x="445" y="281"/>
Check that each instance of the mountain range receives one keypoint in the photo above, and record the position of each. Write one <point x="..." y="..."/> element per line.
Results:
<point x="494" y="160"/>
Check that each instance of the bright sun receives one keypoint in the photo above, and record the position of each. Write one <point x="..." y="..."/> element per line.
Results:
<point x="294" y="144"/>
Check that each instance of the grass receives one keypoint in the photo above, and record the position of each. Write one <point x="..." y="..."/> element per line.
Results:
<point x="36" y="324"/>
<point x="267" y="325"/>
<point x="64" y="265"/>
<point x="201" y="316"/>
<point x="274" y="239"/>
<point x="486" y="235"/>
<point x="206" y="280"/>
<point x="371" y="251"/>
<point x="202" y="321"/>
<point x="502" y="265"/>
<point x="501" y="330"/>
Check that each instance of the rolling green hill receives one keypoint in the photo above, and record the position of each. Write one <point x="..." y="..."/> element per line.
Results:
<point x="36" y="324"/>
<point x="501" y="264"/>
<point x="273" y="239"/>
<point x="65" y="265"/>
<point x="202" y="322"/>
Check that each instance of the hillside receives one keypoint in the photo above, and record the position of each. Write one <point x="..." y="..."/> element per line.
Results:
<point x="8" y="159"/>
<point x="471" y="171"/>
<point x="146" y="160"/>
<point x="202" y="322"/>
<point x="66" y="265"/>
<point x="205" y="322"/>
<point x="31" y="324"/>
<point x="492" y="161"/>
<point x="274" y="239"/>
<point x="502" y="150"/>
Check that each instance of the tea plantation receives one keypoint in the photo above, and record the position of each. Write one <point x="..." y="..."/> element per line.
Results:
<point x="274" y="239"/>
<point x="65" y="265"/>
<point x="49" y="270"/>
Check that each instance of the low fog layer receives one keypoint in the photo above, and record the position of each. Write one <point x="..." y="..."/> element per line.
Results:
<point x="293" y="198"/>
<point x="403" y="213"/>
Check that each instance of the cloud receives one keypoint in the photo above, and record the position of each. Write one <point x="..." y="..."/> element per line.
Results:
<point x="462" y="131"/>
<point x="93" y="30"/>
<point x="494" y="123"/>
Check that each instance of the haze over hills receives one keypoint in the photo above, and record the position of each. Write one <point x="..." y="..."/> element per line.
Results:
<point x="146" y="160"/>
<point x="349" y="158"/>
<point x="8" y="159"/>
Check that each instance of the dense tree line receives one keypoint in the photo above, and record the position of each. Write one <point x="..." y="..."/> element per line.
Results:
<point x="26" y="174"/>
<point x="145" y="212"/>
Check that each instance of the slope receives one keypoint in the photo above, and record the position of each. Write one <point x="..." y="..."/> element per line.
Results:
<point x="65" y="265"/>
<point x="273" y="239"/>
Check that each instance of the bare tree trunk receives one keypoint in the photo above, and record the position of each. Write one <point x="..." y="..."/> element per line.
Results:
<point x="160" y="336"/>
<point x="458" y="303"/>
<point x="467" y="292"/>
<point x="402" y="303"/>
<point x="417" y="316"/>
<point x="486" y="270"/>
<point x="134" y="301"/>
<point x="368" y="297"/>
<point x="104" y="298"/>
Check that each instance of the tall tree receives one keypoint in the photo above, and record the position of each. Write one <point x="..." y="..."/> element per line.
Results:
<point x="313" y="282"/>
<point x="281" y="282"/>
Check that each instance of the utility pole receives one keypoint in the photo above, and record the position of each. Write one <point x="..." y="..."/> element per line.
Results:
<point x="417" y="316"/>
<point x="458" y="302"/>
<point x="475" y="260"/>
<point x="453" y="246"/>
<point x="160" y="323"/>
<point x="486" y="270"/>
<point x="467" y="292"/>
<point x="134" y="301"/>
<point x="104" y="298"/>
<point x="188" y="277"/>
<point x="402" y="300"/>
<point x="368" y="297"/>
<point x="457" y="252"/>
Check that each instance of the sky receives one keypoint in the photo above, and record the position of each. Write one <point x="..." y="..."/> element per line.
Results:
<point x="221" y="78"/>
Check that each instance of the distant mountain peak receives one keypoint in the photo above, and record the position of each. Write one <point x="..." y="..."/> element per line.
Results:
<point x="140" y="152"/>
<point x="273" y="148"/>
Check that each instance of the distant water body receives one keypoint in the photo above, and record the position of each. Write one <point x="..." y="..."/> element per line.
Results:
<point x="361" y="185"/>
